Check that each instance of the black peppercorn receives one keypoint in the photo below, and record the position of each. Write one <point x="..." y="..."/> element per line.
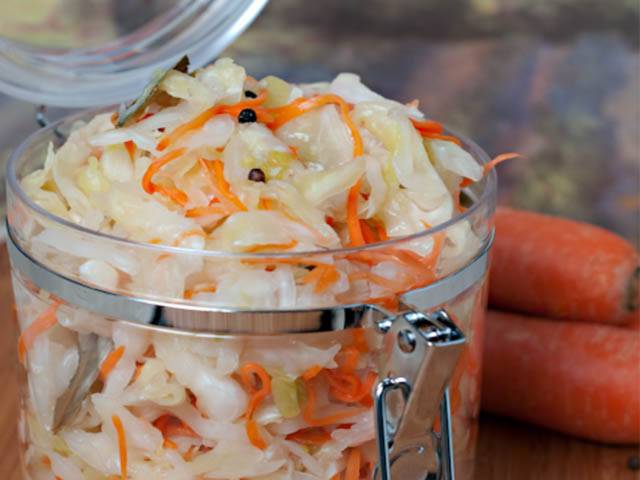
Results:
<point x="247" y="115"/>
<point x="250" y="94"/>
<point x="257" y="175"/>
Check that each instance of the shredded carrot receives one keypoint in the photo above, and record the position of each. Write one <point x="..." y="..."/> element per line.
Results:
<point x="347" y="359"/>
<point x="122" y="445"/>
<point x="427" y="126"/>
<point x="382" y="233"/>
<point x="366" y="387"/>
<point x="356" y="238"/>
<point x="323" y="276"/>
<point x="248" y="373"/>
<point x="487" y="167"/>
<point x="44" y="322"/>
<point x="360" y="339"/>
<point x="390" y="302"/>
<point x="156" y="165"/>
<point x="344" y="387"/>
<point x="189" y="454"/>
<point x="311" y="372"/>
<point x="138" y="371"/>
<point x="367" y="232"/>
<point x="171" y="426"/>
<point x="299" y="106"/>
<point x="352" y="472"/>
<point x="312" y="437"/>
<point x="194" y="124"/>
<point x="216" y="171"/>
<point x="190" y="292"/>
<point x="110" y="362"/>
<point x="170" y="445"/>
<point x="254" y="435"/>
<point x="269" y="247"/>
<point x="199" y="121"/>
<point x="206" y="210"/>
<point x="265" y="204"/>
<point x="173" y="193"/>
<point x="131" y="148"/>
<point x="195" y="232"/>
<point x="440" y="136"/>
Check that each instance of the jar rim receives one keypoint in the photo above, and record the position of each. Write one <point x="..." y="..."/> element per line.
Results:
<point x="488" y="183"/>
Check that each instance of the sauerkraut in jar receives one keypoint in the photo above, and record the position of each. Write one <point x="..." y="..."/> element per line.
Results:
<point x="218" y="191"/>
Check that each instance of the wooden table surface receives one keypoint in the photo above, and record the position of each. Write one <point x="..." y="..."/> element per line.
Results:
<point x="506" y="450"/>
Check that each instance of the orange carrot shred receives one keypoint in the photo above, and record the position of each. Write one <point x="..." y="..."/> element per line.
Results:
<point x="382" y="233"/>
<point x="171" y="426"/>
<point x="427" y="126"/>
<point x="311" y="372"/>
<point x="313" y="436"/>
<point x="490" y="165"/>
<point x="169" y="444"/>
<point x="131" y="148"/>
<point x="352" y="472"/>
<point x="216" y="171"/>
<point x="440" y="136"/>
<point x="258" y="392"/>
<point x="199" y="121"/>
<point x="122" y="445"/>
<point x="356" y="238"/>
<point x="267" y="247"/>
<point x="110" y="362"/>
<point x="147" y="180"/>
<point x="367" y="232"/>
<point x="205" y="210"/>
<point x="190" y="292"/>
<point x="254" y="435"/>
<point x="44" y="322"/>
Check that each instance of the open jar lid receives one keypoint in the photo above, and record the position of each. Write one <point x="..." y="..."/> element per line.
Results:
<point x="79" y="53"/>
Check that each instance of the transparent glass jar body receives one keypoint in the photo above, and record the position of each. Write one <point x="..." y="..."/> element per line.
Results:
<point x="178" y="389"/>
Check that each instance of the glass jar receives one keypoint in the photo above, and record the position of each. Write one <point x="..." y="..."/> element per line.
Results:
<point x="142" y="360"/>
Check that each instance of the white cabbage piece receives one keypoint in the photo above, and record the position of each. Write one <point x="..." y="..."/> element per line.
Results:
<point x="310" y="463"/>
<point x="98" y="450"/>
<point x="317" y="187"/>
<point x="252" y="146"/>
<point x="245" y="286"/>
<point x="191" y="89"/>
<point x="224" y="79"/>
<point x="142" y="217"/>
<point x="139" y="432"/>
<point x="297" y="205"/>
<point x="259" y="227"/>
<point x="320" y="136"/>
<point x="116" y="163"/>
<point x="77" y="245"/>
<point x="213" y="134"/>
<point x="450" y="156"/>
<point x="64" y="467"/>
<point x="350" y="87"/>
<point x="219" y="396"/>
<point x="235" y="460"/>
<point x="409" y="159"/>
<point x="154" y="385"/>
<point x="291" y="357"/>
<point x="99" y="273"/>
<point x="52" y="362"/>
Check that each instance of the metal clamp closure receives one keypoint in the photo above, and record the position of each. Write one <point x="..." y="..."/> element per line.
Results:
<point x="422" y="351"/>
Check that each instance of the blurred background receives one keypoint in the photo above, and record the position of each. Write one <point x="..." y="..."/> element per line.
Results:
<point x="556" y="80"/>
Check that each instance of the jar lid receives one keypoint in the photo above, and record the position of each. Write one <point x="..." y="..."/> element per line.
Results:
<point x="74" y="53"/>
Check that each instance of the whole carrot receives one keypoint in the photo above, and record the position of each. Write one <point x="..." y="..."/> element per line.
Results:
<point x="577" y="378"/>
<point x="560" y="268"/>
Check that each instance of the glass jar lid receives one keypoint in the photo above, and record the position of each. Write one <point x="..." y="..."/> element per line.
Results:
<point x="79" y="53"/>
